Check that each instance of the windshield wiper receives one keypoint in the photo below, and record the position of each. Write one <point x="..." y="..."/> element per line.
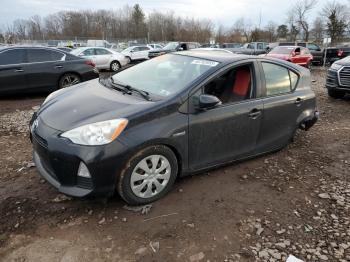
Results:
<point x="128" y="89"/>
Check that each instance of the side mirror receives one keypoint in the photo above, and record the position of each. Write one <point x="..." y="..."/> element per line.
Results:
<point x="131" y="51"/>
<point x="208" y="102"/>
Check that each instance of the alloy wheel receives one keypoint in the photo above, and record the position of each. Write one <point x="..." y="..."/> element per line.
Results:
<point x="70" y="80"/>
<point x="150" y="176"/>
<point x="115" y="66"/>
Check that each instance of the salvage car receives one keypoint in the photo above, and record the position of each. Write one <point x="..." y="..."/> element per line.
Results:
<point x="336" y="53"/>
<point x="295" y="54"/>
<point x="103" y="58"/>
<point x="316" y="51"/>
<point x="338" y="78"/>
<point x="41" y="69"/>
<point x="168" y="117"/>
<point x="173" y="47"/>
<point x="253" y="48"/>
<point x="136" y="52"/>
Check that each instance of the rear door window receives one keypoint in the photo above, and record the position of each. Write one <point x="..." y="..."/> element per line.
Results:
<point x="43" y="55"/>
<point x="11" y="57"/>
<point x="278" y="79"/>
<point x="89" y="52"/>
<point x="101" y="51"/>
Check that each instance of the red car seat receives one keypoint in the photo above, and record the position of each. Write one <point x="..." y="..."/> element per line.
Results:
<point x="241" y="84"/>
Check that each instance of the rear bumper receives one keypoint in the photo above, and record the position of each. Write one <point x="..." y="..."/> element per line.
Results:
<point x="92" y="74"/>
<point x="310" y="121"/>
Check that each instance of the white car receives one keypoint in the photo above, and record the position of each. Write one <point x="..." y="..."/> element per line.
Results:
<point x="136" y="52"/>
<point x="156" y="46"/>
<point x="104" y="58"/>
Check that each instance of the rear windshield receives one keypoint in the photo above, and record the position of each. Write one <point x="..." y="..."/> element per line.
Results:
<point x="282" y="50"/>
<point x="165" y="75"/>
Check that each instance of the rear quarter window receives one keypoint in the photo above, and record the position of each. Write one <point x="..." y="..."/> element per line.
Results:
<point x="43" y="55"/>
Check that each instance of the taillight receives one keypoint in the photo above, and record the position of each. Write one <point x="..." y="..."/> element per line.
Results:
<point x="90" y="63"/>
<point x="340" y="52"/>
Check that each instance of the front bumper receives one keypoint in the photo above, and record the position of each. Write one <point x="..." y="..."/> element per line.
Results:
<point x="58" y="161"/>
<point x="332" y="82"/>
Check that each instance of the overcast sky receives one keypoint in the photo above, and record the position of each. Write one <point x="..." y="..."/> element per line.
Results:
<point x="220" y="11"/>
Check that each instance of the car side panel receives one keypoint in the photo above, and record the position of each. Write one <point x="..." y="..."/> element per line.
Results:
<point x="12" y="78"/>
<point x="279" y="121"/>
<point x="169" y="128"/>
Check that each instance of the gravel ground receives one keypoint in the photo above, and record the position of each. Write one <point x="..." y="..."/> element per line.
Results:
<point x="293" y="202"/>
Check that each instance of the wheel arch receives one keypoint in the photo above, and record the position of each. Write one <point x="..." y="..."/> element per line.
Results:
<point x="164" y="142"/>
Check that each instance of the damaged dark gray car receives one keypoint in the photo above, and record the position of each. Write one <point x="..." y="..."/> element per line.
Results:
<point x="171" y="116"/>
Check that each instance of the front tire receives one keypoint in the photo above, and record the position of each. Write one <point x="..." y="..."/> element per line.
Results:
<point x="148" y="175"/>
<point x="115" y="66"/>
<point x="336" y="94"/>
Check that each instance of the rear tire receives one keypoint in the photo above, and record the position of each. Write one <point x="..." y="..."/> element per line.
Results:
<point x="115" y="66"/>
<point x="336" y="94"/>
<point x="68" y="79"/>
<point x="148" y="175"/>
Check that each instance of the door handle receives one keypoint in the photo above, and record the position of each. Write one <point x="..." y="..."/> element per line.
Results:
<point x="255" y="113"/>
<point x="58" y="67"/>
<point x="19" y="70"/>
<point x="298" y="101"/>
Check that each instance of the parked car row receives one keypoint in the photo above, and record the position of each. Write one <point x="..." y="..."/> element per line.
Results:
<point x="102" y="57"/>
<point x="35" y="69"/>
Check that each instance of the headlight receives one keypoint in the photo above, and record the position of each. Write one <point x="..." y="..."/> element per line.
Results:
<point x="336" y="66"/>
<point x="99" y="133"/>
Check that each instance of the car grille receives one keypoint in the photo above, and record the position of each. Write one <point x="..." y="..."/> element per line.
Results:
<point x="332" y="78"/>
<point x="344" y="76"/>
<point x="43" y="154"/>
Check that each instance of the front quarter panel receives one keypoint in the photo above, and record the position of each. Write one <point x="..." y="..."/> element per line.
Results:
<point x="162" y="125"/>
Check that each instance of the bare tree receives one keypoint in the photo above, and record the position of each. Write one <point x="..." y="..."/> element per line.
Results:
<point x="337" y="20"/>
<point x="271" y="29"/>
<point x="318" y="29"/>
<point x="301" y="10"/>
<point x="293" y="28"/>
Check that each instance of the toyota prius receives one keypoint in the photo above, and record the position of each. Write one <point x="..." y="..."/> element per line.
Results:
<point x="136" y="132"/>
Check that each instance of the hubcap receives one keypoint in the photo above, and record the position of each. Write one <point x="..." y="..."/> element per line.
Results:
<point x="115" y="66"/>
<point x="70" y="80"/>
<point x="150" y="176"/>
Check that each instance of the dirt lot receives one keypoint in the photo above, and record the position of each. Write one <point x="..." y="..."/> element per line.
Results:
<point x="295" y="201"/>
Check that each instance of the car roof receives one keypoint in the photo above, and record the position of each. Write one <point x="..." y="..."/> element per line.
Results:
<point x="289" y="46"/>
<point x="28" y="47"/>
<point x="215" y="56"/>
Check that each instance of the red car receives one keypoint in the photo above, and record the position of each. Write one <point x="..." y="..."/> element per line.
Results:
<point x="295" y="54"/>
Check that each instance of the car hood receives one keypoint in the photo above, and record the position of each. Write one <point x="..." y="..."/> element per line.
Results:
<point x="87" y="103"/>
<point x="344" y="62"/>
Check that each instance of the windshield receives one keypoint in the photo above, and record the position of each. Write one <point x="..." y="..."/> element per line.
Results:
<point x="282" y="50"/>
<point x="164" y="75"/>
<point x="171" y="45"/>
